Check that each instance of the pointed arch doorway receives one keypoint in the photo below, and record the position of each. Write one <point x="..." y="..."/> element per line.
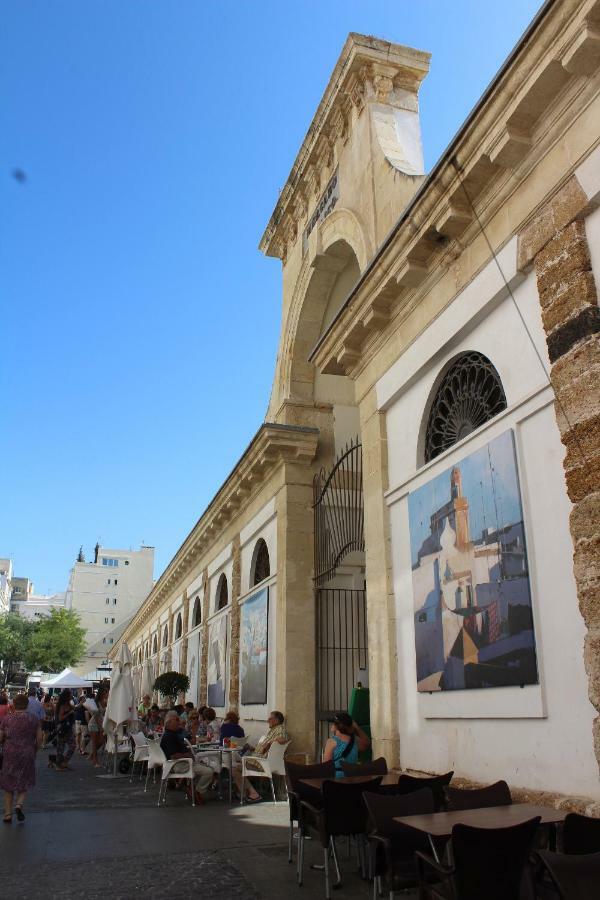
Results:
<point x="340" y="595"/>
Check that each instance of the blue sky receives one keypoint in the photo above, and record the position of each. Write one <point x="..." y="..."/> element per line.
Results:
<point x="139" y="321"/>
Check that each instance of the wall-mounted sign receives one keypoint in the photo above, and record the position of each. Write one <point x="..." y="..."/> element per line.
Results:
<point x="326" y="205"/>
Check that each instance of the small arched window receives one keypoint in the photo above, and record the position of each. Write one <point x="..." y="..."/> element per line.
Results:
<point x="469" y="395"/>
<point x="197" y="613"/>
<point x="261" y="566"/>
<point x="222" y="592"/>
<point x="165" y="640"/>
<point x="178" y="626"/>
<point x="155" y="645"/>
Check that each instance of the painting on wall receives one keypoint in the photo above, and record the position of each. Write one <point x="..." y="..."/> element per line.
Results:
<point x="193" y="662"/>
<point x="254" y="639"/>
<point x="217" y="655"/>
<point x="472" y="598"/>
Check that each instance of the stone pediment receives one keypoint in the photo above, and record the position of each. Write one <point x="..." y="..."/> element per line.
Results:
<point x="370" y="73"/>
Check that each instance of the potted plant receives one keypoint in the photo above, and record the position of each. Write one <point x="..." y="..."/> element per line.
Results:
<point x="171" y="684"/>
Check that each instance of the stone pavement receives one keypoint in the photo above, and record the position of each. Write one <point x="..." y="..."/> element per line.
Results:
<point x="90" y="836"/>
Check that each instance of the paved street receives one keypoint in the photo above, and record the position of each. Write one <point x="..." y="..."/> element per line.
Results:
<point x="90" y="836"/>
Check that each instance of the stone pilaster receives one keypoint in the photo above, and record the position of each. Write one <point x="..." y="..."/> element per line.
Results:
<point x="204" y="655"/>
<point x="184" y="644"/>
<point x="556" y="242"/>
<point x="381" y="605"/>
<point x="234" y="650"/>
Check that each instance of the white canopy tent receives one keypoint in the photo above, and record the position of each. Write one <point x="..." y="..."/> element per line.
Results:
<point x="66" y="679"/>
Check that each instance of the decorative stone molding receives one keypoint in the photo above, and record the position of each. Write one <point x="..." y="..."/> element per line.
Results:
<point x="369" y="71"/>
<point x="273" y="445"/>
<point x="503" y="135"/>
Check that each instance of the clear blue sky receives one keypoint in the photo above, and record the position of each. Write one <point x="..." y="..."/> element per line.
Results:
<point x="139" y="322"/>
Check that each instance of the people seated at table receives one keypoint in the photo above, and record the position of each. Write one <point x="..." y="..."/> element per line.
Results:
<point x="213" y="726"/>
<point x="174" y="746"/>
<point x="154" y="718"/>
<point x="144" y="706"/>
<point x="193" y="724"/>
<point x="231" y="727"/>
<point x="189" y="707"/>
<point x="346" y="740"/>
<point x="277" y="733"/>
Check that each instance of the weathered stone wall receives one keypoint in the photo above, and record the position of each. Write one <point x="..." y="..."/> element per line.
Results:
<point x="557" y="245"/>
<point x="234" y="652"/>
<point x="202" y="693"/>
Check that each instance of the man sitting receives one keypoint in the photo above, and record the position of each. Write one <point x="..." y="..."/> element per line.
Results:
<point x="276" y="734"/>
<point x="174" y="746"/>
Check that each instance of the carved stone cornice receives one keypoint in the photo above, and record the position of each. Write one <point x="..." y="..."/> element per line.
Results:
<point x="506" y="135"/>
<point x="272" y="446"/>
<point x="368" y="71"/>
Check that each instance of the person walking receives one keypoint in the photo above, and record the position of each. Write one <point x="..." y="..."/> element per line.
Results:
<point x="48" y="722"/>
<point x="65" y="731"/>
<point x="96" y="712"/>
<point x="21" y="738"/>
<point x="34" y="707"/>
<point x="81" y="729"/>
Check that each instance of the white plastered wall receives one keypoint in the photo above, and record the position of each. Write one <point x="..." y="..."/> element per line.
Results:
<point x="539" y="736"/>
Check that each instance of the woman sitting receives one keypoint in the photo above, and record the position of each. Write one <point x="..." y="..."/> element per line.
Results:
<point x="347" y="738"/>
<point x="231" y="727"/>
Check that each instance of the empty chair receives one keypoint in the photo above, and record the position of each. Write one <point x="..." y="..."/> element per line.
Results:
<point x="437" y="783"/>
<point x="156" y="759"/>
<point x="497" y="794"/>
<point x="392" y="846"/>
<point x="575" y="876"/>
<point x="270" y="765"/>
<point x="140" y="752"/>
<point x="294" y="773"/>
<point x="343" y="813"/>
<point x="488" y="863"/>
<point x="581" y="834"/>
<point x="374" y="767"/>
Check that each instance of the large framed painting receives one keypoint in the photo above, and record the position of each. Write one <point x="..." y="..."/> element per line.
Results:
<point x="472" y="598"/>
<point x="217" y="656"/>
<point x="193" y="664"/>
<point x="254" y="648"/>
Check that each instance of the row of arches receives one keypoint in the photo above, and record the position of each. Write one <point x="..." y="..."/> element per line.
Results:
<point x="260" y="570"/>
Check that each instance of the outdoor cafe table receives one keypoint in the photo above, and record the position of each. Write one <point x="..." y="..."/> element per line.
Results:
<point x="439" y="825"/>
<point x="317" y="783"/>
<point x="203" y="750"/>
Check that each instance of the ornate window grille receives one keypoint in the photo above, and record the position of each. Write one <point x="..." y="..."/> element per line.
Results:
<point x="470" y="394"/>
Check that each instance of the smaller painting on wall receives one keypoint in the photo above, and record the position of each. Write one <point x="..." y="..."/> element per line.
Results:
<point x="254" y="650"/>
<point x="217" y="655"/>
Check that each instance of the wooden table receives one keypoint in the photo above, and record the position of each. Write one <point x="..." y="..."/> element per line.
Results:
<point x="439" y="825"/>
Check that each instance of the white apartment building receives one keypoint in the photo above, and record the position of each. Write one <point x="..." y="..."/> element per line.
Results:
<point x="6" y="574"/>
<point x="106" y="593"/>
<point x="36" y="606"/>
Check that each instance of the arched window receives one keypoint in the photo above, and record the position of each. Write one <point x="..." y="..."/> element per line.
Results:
<point x="197" y="613"/>
<point x="222" y="592"/>
<point x="261" y="566"/>
<point x="469" y="395"/>
<point x="155" y="645"/>
<point x="178" y="626"/>
<point x="165" y="640"/>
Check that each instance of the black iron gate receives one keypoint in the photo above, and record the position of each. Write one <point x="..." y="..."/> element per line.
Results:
<point x="341" y="615"/>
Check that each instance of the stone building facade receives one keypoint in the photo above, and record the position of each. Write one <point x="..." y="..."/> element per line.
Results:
<point x="391" y="280"/>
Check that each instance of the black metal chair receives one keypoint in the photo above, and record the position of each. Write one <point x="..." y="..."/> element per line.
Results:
<point x="294" y="774"/>
<point x="374" y="767"/>
<point x="409" y="783"/>
<point x="342" y="814"/>
<point x="497" y="794"/>
<point x="488" y="863"/>
<point x="581" y="834"/>
<point x="574" y="876"/>
<point x="392" y="846"/>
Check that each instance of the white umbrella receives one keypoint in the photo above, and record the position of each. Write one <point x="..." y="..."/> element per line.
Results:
<point x="120" y="708"/>
<point x="147" y="678"/>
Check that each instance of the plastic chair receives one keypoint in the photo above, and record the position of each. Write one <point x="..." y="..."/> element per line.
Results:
<point x="497" y="794"/>
<point x="294" y="773"/>
<point x="374" y="767"/>
<point x="575" y="876"/>
<point x="140" y="752"/>
<point x="409" y="783"/>
<point x="343" y="813"/>
<point x="488" y="862"/>
<point x="393" y="845"/>
<point x="270" y="765"/>
<point x="185" y="770"/>
<point x="156" y="760"/>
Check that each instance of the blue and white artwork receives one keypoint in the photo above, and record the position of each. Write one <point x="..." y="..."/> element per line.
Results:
<point x="254" y="648"/>
<point x="217" y="658"/>
<point x="472" y="599"/>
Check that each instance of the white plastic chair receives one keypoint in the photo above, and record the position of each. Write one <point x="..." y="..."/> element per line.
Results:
<point x="156" y="760"/>
<point x="270" y="765"/>
<point x="185" y="770"/>
<point x="140" y="752"/>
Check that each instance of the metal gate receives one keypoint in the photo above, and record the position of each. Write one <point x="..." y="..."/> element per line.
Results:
<point x="341" y="615"/>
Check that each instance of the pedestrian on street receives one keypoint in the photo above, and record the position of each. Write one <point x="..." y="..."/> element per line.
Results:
<point x="21" y="737"/>
<point x="65" y="731"/>
<point x="34" y="707"/>
<point x="81" y="729"/>
<point x="96" y="711"/>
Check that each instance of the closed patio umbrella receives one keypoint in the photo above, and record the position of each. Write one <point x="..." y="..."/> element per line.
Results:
<point x="121" y="707"/>
<point x="147" y="678"/>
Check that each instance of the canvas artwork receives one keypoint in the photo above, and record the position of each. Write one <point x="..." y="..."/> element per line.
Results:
<point x="472" y="599"/>
<point x="193" y="666"/>
<point x="254" y="636"/>
<point x="217" y="655"/>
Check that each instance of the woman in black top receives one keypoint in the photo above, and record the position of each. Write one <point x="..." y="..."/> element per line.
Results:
<point x="65" y="731"/>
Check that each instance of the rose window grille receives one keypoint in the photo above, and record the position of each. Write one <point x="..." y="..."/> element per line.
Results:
<point x="470" y="394"/>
